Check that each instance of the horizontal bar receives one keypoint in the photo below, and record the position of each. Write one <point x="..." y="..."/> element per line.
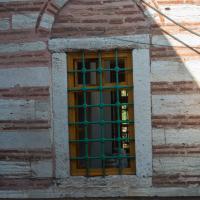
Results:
<point x="99" y="88"/>
<point x="102" y="122"/>
<point x="102" y="157"/>
<point x="101" y="105"/>
<point x="103" y="140"/>
<point x="100" y="70"/>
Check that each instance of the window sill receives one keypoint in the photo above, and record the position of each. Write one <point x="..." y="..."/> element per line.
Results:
<point x="113" y="181"/>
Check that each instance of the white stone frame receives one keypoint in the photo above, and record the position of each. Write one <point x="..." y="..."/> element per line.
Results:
<point x="142" y="97"/>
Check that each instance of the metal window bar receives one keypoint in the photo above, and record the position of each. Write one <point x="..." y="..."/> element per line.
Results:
<point x="118" y="109"/>
<point x="85" y="113"/>
<point x="102" y="70"/>
<point x="101" y="112"/>
<point x="102" y="105"/>
<point x="84" y="88"/>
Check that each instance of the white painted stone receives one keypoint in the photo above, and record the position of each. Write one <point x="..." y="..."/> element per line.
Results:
<point x="176" y="136"/>
<point x="181" y="12"/>
<point x="53" y="192"/>
<point x="23" y="109"/>
<point x="16" y="110"/>
<point x="42" y="168"/>
<point x="188" y="38"/>
<point x="26" y="169"/>
<point x="193" y="69"/>
<point x="174" y="165"/>
<point x="42" y="110"/>
<point x="25" y="139"/>
<point x="183" y="136"/>
<point x="152" y="15"/>
<point x="96" y="43"/>
<point x="32" y="76"/>
<point x="15" y="169"/>
<point x="175" y="71"/>
<point x="59" y="110"/>
<point x="176" y="104"/>
<point x="158" y="136"/>
<point x="47" y="21"/>
<point x="24" y="21"/>
<point x="4" y="24"/>
<point x="60" y="2"/>
<point x="142" y="112"/>
<point x="18" y="47"/>
<point x="107" y="181"/>
<point x="189" y="192"/>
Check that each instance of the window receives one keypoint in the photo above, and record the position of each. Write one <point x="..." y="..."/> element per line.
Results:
<point x="101" y="121"/>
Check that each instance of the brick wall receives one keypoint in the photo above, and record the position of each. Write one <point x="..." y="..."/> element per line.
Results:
<point x="25" y="145"/>
<point x="175" y="85"/>
<point x="99" y="18"/>
<point x="26" y="150"/>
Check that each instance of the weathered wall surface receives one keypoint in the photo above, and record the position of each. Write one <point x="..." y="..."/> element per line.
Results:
<point x="25" y="140"/>
<point x="27" y="157"/>
<point x="175" y="94"/>
<point x="175" y="61"/>
<point x="99" y="18"/>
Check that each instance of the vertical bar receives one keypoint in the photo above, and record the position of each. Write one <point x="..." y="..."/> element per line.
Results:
<point x="118" y="109"/>
<point x="85" y="114"/>
<point x="131" y="133"/>
<point x="101" y="111"/>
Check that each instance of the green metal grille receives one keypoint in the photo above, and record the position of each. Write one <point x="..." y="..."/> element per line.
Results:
<point x="85" y="159"/>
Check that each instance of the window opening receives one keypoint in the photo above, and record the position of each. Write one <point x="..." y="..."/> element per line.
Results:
<point x="101" y="125"/>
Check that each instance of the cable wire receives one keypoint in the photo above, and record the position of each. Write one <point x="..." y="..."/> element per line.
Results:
<point x="143" y="43"/>
<point x="170" y="19"/>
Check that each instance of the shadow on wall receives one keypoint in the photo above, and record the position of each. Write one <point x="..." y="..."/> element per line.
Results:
<point x="175" y="72"/>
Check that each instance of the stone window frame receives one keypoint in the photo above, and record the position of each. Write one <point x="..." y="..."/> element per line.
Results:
<point x="142" y="99"/>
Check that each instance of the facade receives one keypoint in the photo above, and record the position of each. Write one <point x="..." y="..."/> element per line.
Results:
<point x="99" y="98"/>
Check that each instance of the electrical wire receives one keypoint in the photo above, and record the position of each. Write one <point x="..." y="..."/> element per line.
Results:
<point x="135" y="1"/>
<point x="170" y="19"/>
<point x="186" y="46"/>
<point x="143" y="43"/>
<point x="157" y="45"/>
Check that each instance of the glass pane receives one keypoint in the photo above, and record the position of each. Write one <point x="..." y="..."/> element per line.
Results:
<point x="90" y="77"/>
<point x="111" y="74"/>
<point x="95" y="164"/>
